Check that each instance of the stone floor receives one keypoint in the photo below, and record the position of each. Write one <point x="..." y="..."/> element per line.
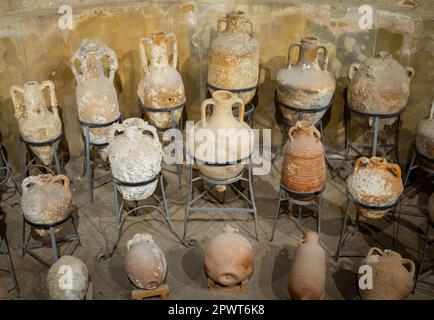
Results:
<point x="186" y="276"/>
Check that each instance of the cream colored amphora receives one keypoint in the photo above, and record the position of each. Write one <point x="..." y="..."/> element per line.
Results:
<point x="38" y="121"/>
<point x="424" y="139"/>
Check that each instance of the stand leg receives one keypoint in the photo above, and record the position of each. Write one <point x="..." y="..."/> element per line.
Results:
<point x="276" y="217"/>
<point x="397" y="139"/>
<point x="117" y="209"/>
<point x="163" y="193"/>
<point x="22" y="161"/>
<point x="75" y="229"/>
<point x="187" y="211"/>
<point x="344" y="226"/>
<point x="252" y="199"/>
<point x="89" y="172"/>
<point x="53" y="244"/>
<point x="5" y="249"/>
<point x="57" y="158"/>
<point x="425" y="247"/>
<point x="375" y="142"/>
<point x="9" y="169"/>
<point x="409" y="169"/>
<point x="318" y="221"/>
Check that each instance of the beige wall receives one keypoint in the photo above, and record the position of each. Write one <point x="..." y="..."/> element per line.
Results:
<point x="33" y="47"/>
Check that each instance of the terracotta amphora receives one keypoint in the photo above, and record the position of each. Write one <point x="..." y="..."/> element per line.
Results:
<point x="307" y="84"/>
<point x="424" y="139"/>
<point x="38" y="119"/>
<point x="392" y="276"/>
<point x="145" y="262"/>
<point x="161" y="86"/>
<point x="308" y="269"/>
<point x="375" y="182"/>
<point x="234" y="56"/>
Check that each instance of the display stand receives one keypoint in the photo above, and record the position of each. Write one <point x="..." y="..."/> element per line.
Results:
<point x="423" y="273"/>
<point x="242" y="287"/>
<point x="161" y="291"/>
<point x="26" y="165"/>
<point x="6" y="167"/>
<point x="87" y="169"/>
<point x="351" y="200"/>
<point x="173" y="125"/>
<point x="4" y="251"/>
<point x="229" y="182"/>
<point x="27" y="247"/>
<point x="291" y="197"/>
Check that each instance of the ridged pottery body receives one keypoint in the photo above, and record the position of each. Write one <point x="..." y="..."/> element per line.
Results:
<point x="308" y="270"/>
<point x="97" y="100"/>
<point x="38" y="121"/>
<point x="45" y="200"/>
<point x="234" y="56"/>
<point x="135" y="155"/>
<point x="68" y="279"/>
<point x="379" y="85"/>
<point x="424" y="139"/>
<point x="145" y="262"/>
<point x="229" y="259"/>
<point x="303" y="166"/>
<point x="392" y="275"/>
<point x="161" y="85"/>
<point x="307" y="84"/>
<point x="375" y="182"/>
<point x="221" y="138"/>
<point x="431" y="207"/>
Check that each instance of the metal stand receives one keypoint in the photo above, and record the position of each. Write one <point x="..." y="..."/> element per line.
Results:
<point x="352" y="200"/>
<point x="27" y="247"/>
<point x="26" y="165"/>
<point x="422" y="273"/>
<point x="250" y="199"/>
<point x="374" y="145"/>
<point x="87" y="169"/>
<point x="6" y="167"/>
<point x="173" y="125"/>
<point x="297" y="198"/>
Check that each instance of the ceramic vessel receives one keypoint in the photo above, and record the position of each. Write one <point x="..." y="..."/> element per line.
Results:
<point x="392" y="275"/>
<point x="307" y="84"/>
<point x="375" y="182"/>
<point x="68" y="279"/>
<point x="38" y="119"/>
<point x="424" y="139"/>
<point x="221" y="138"/>
<point x="229" y="259"/>
<point x="379" y="85"/>
<point x="97" y="100"/>
<point x="161" y="86"/>
<point x="135" y="155"/>
<point x="303" y="166"/>
<point x="308" y="270"/>
<point x="145" y="262"/>
<point x="234" y="56"/>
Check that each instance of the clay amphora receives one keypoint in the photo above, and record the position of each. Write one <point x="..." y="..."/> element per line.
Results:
<point x="221" y="138"/>
<point x="45" y="200"/>
<point x="375" y="182"/>
<point x="145" y="262"/>
<point x="161" y="85"/>
<point x="425" y="136"/>
<point x="97" y="100"/>
<point x="392" y="276"/>
<point x="307" y="84"/>
<point x="234" y="56"/>
<point x="135" y="155"/>
<point x="68" y="279"/>
<point x="308" y="270"/>
<point x="303" y="166"/>
<point x="379" y="85"/>
<point x="229" y="259"/>
<point x="38" y="120"/>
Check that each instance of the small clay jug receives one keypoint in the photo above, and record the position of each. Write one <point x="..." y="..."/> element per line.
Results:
<point x="308" y="270"/>
<point x="221" y="138"/>
<point x="375" y="182"/>
<point x="307" y="84"/>
<point x="135" y="155"/>
<point x="229" y="259"/>
<point x="68" y="279"/>
<point x="145" y="262"/>
<point x="392" y="276"/>
<point x="425" y="136"/>
<point x="379" y="85"/>
<point x="303" y="166"/>
<point x="234" y="56"/>
<point x="38" y="121"/>
<point x="161" y="85"/>
<point x="97" y="100"/>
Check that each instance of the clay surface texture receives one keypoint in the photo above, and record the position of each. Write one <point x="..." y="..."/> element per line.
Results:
<point x="425" y="134"/>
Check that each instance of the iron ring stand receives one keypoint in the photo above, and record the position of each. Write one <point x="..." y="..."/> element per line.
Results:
<point x="4" y="251"/>
<point x="6" y="167"/>
<point x="25" y="167"/>
<point x="291" y="197"/>
<point x="190" y="208"/>
<point x="27" y="247"/>
<point x="173" y="125"/>
<point x="87" y="169"/>
<point x="343" y="236"/>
